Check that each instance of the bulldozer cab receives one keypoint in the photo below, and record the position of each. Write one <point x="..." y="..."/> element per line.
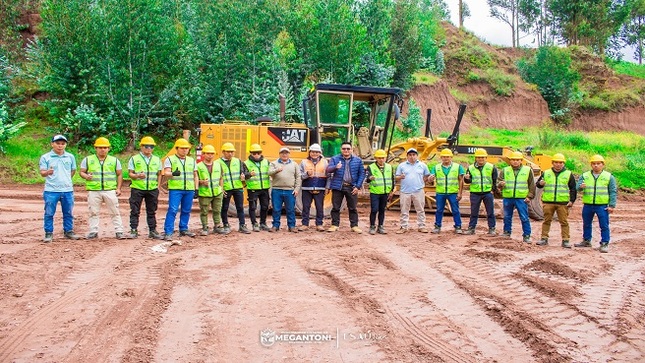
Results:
<point x="363" y="116"/>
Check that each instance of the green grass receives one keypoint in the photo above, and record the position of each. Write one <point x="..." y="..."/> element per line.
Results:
<point x="629" y="69"/>
<point x="423" y="77"/>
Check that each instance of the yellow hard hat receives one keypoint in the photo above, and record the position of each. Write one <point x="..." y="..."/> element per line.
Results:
<point x="597" y="158"/>
<point x="516" y="155"/>
<point x="255" y="148"/>
<point x="380" y="153"/>
<point x="102" y="142"/>
<point x="481" y="153"/>
<point x="147" y="140"/>
<point x="228" y="147"/>
<point x="445" y="152"/>
<point x="183" y="143"/>
<point x="558" y="157"/>
<point x="208" y="149"/>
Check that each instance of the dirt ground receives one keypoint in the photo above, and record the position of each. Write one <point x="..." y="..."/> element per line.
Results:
<point x="317" y="297"/>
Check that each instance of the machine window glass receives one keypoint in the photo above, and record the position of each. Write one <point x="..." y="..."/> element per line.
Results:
<point x="334" y="108"/>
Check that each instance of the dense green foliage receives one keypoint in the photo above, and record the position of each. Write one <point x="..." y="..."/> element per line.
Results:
<point x="550" y="69"/>
<point x="629" y="69"/>
<point x="8" y="128"/>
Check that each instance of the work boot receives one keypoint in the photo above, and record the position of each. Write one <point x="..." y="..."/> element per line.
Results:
<point x="226" y="229"/>
<point x="204" y="232"/>
<point x="458" y="230"/>
<point x="543" y="242"/>
<point x="320" y="228"/>
<point x="303" y="228"/>
<point x="332" y="228"/>
<point x="402" y="230"/>
<point x="256" y="227"/>
<point x="134" y="233"/>
<point x="243" y="229"/>
<point x="604" y="247"/>
<point x="48" y="237"/>
<point x="119" y="235"/>
<point x="186" y="233"/>
<point x="381" y="230"/>
<point x="423" y="230"/>
<point x="293" y="230"/>
<point x="274" y="229"/>
<point x="72" y="235"/>
<point x="469" y="231"/>
<point x="92" y="235"/>
<point x="492" y="232"/>
<point x="167" y="237"/>
<point x="584" y="243"/>
<point x="566" y="244"/>
<point x="506" y="234"/>
<point x="356" y="229"/>
<point x="372" y="229"/>
<point x="154" y="234"/>
<point x="436" y="229"/>
<point x="526" y="239"/>
<point x="264" y="227"/>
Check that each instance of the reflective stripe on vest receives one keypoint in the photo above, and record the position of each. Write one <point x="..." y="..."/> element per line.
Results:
<point x="481" y="181"/>
<point x="447" y="183"/>
<point x="186" y="179"/>
<point x="516" y="187"/>
<point x="556" y="189"/>
<point x="383" y="182"/>
<point x="103" y="173"/>
<point x="150" y="168"/>
<point x="232" y="176"/>
<point x="213" y="188"/>
<point x="261" y="178"/>
<point x="596" y="190"/>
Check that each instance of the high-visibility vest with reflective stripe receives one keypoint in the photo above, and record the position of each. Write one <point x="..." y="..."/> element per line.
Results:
<point x="481" y="181"/>
<point x="516" y="187"/>
<point x="213" y="188"/>
<point x="447" y="183"/>
<point x="596" y="190"/>
<point x="150" y="168"/>
<point x="186" y="179"/>
<point x="103" y="174"/>
<point x="382" y="184"/>
<point x="556" y="189"/>
<point x="261" y="178"/>
<point x="232" y="175"/>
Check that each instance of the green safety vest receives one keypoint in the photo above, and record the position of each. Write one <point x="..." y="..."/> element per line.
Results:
<point x="103" y="174"/>
<point x="232" y="176"/>
<point x="213" y="188"/>
<point x="481" y="181"/>
<point x="447" y="183"/>
<point x="150" y="168"/>
<point x="556" y="190"/>
<point x="597" y="189"/>
<point x="383" y="182"/>
<point x="261" y="178"/>
<point x="516" y="187"/>
<point x="186" y="179"/>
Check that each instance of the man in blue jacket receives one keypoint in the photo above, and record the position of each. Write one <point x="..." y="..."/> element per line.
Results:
<point x="346" y="181"/>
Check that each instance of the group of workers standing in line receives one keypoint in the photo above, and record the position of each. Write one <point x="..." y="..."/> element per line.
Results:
<point x="214" y="182"/>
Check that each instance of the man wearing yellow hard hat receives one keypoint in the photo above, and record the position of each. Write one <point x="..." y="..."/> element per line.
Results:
<point x="518" y="189"/>
<point x="235" y="173"/>
<point x="257" y="187"/>
<point x="211" y="191"/>
<point x="558" y="196"/>
<point x="449" y="183"/>
<point x="482" y="177"/>
<point x="380" y="176"/>
<point x="144" y="170"/>
<point x="599" y="193"/>
<point x="182" y="171"/>
<point x="103" y="176"/>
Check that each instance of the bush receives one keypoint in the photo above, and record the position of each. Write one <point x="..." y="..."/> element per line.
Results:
<point x="83" y="121"/>
<point x="503" y="84"/>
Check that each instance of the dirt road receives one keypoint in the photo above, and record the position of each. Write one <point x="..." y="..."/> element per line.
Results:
<point x="317" y="297"/>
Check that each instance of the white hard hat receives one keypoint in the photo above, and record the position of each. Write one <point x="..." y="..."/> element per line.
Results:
<point x="315" y="147"/>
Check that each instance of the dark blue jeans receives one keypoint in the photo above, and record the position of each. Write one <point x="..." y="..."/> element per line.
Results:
<point x="475" y="204"/>
<point x="238" y="198"/>
<point x="67" y="205"/>
<point x="253" y="196"/>
<point x="178" y="199"/>
<point x="441" y="206"/>
<point x="588" y="211"/>
<point x="378" y="202"/>
<point x="319" y="199"/>
<point x="522" y="209"/>
<point x="286" y="197"/>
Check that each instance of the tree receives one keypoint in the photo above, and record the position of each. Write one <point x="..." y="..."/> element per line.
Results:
<point x="405" y="44"/>
<point x="508" y="12"/>
<point x="633" y="32"/>
<point x="464" y="12"/>
<point x="8" y="128"/>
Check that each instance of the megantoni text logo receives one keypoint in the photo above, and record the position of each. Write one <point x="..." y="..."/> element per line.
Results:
<point x="268" y="337"/>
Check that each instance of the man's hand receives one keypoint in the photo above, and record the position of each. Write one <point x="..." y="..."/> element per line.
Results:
<point x="118" y="192"/>
<point x="88" y="176"/>
<point x="583" y="185"/>
<point x="371" y="178"/>
<point x="527" y="200"/>
<point x="50" y="171"/>
<point x="501" y="184"/>
<point x="610" y="210"/>
<point x="242" y="177"/>
<point x="458" y="197"/>
<point x="541" y="182"/>
<point x="295" y="193"/>
<point x="355" y="191"/>
<point x="339" y="165"/>
<point x="176" y="172"/>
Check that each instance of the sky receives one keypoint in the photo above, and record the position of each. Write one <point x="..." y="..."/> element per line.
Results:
<point x="492" y="30"/>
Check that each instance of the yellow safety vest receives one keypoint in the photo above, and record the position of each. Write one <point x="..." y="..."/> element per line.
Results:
<point x="556" y="190"/>
<point x="447" y="183"/>
<point x="597" y="189"/>
<point x="213" y="188"/>
<point x="186" y="179"/>
<point x="383" y="182"/>
<point x="516" y="187"/>
<point x="481" y="181"/>
<point x="150" y="168"/>
<point x="103" y="173"/>
<point x="261" y="178"/>
<point x="232" y="176"/>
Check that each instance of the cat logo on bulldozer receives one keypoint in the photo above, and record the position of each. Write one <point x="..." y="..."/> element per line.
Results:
<point x="294" y="135"/>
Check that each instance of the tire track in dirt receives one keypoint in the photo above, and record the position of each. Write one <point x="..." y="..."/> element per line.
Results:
<point x="571" y="334"/>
